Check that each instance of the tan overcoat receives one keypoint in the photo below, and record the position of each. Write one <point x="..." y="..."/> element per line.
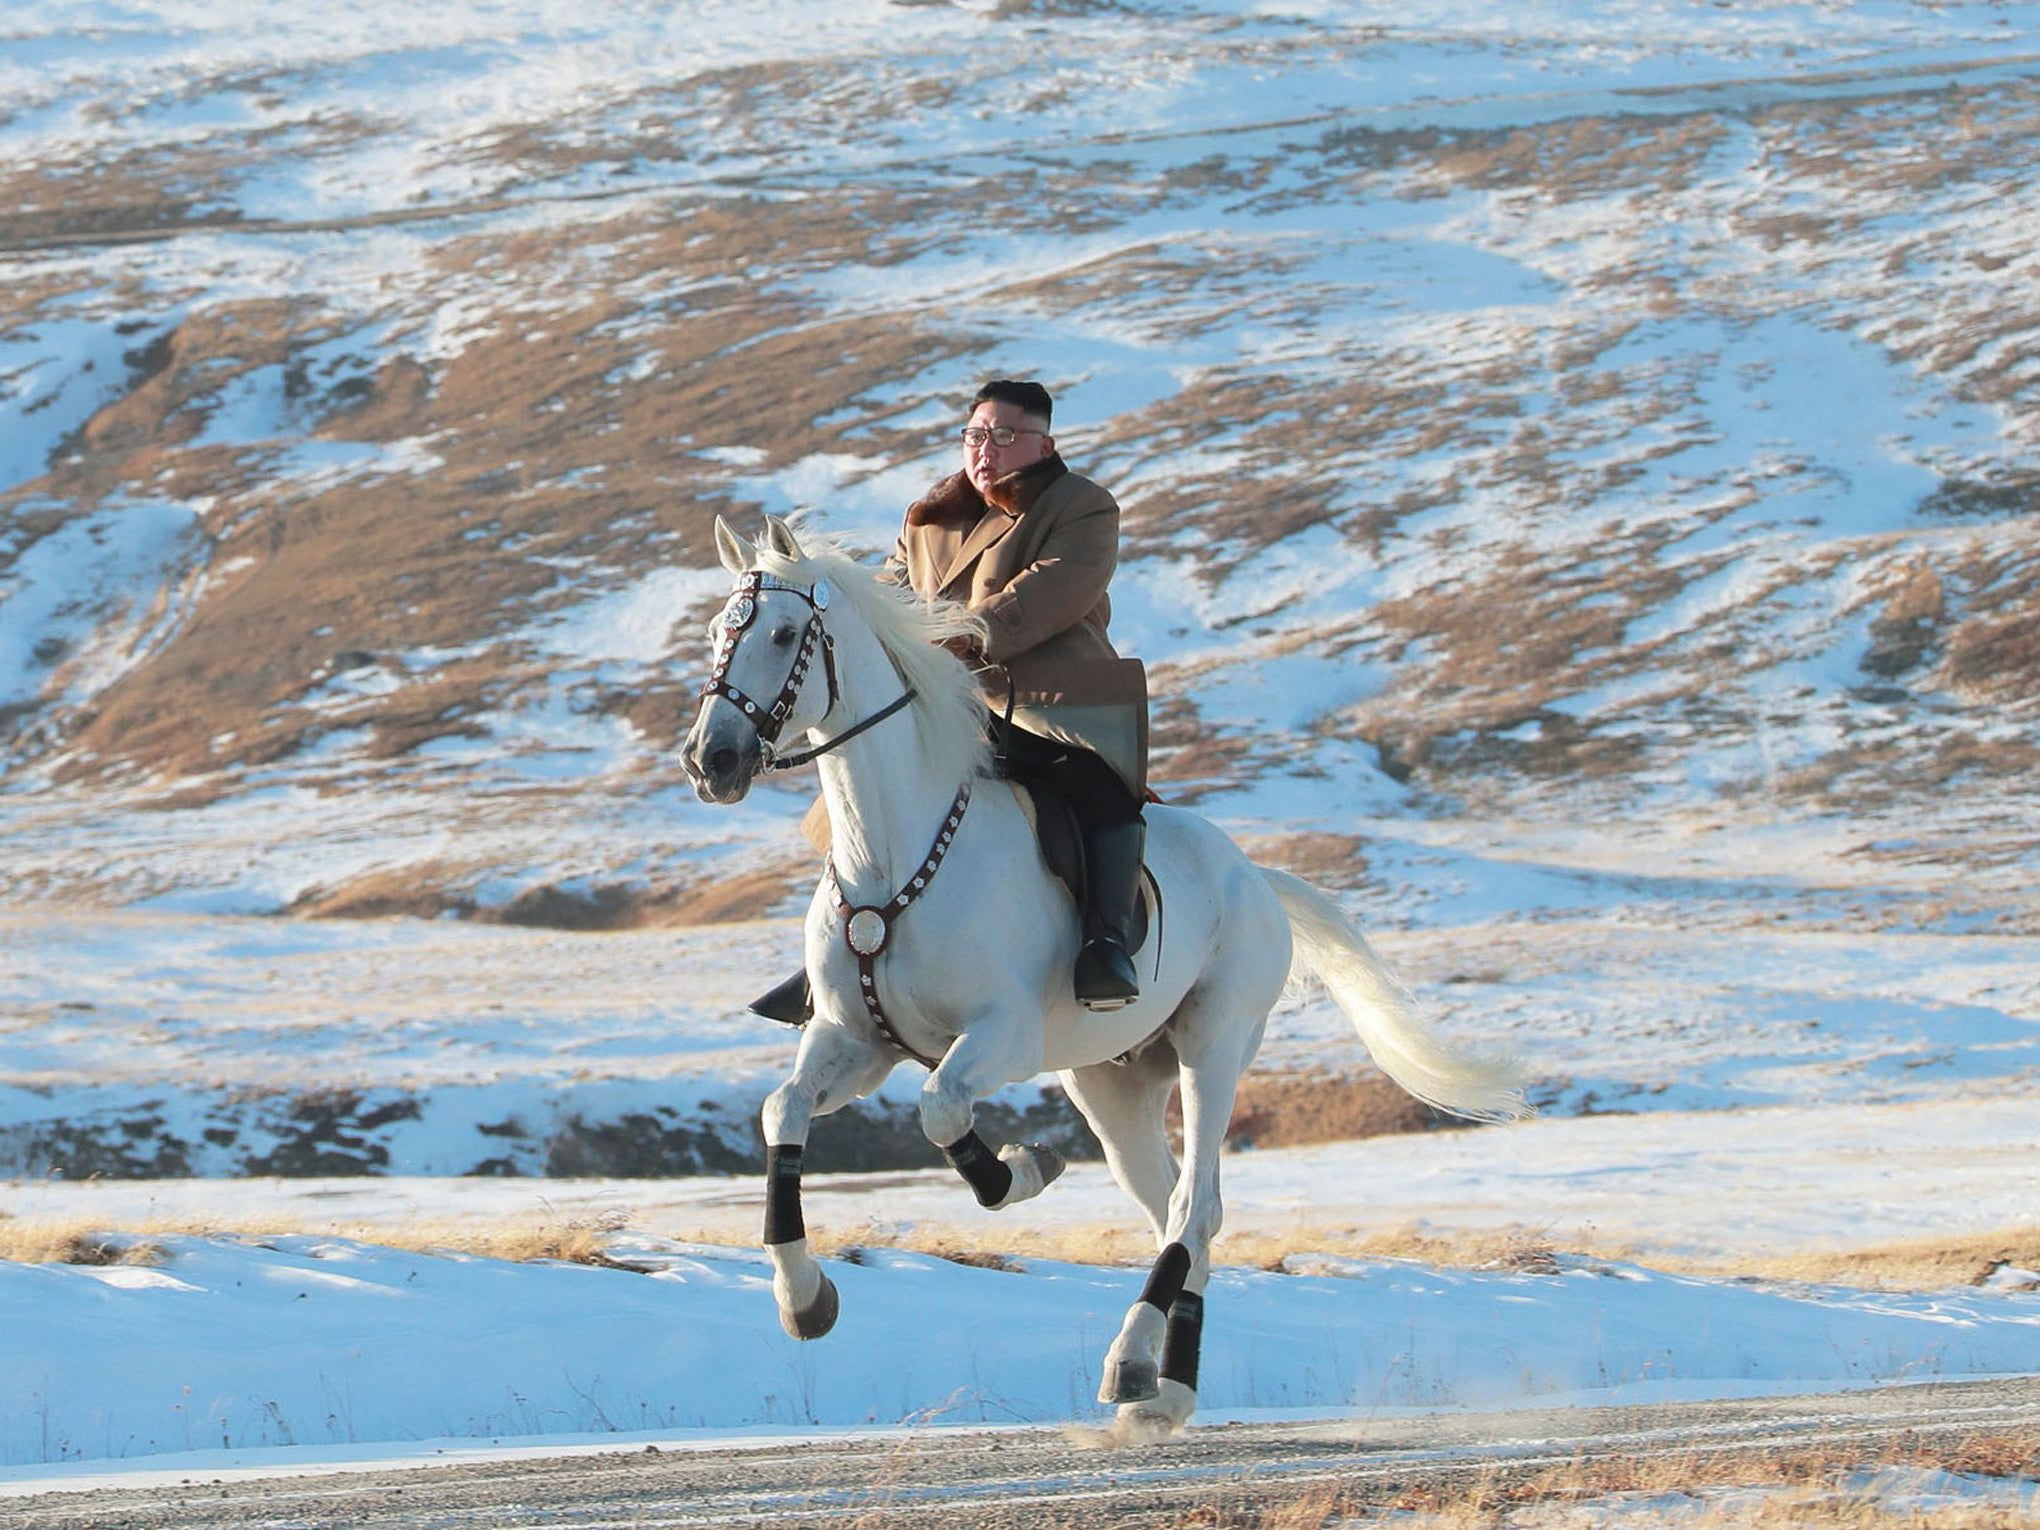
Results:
<point x="1035" y="564"/>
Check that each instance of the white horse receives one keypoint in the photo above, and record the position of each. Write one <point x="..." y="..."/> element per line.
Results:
<point x="974" y="981"/>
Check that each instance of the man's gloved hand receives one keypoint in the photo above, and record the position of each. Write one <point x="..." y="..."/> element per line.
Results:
<point x="968" y="649"/>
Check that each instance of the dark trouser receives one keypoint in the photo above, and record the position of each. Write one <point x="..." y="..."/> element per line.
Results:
<point x="1108" y="814"/>
<point x="1101" y="799"/>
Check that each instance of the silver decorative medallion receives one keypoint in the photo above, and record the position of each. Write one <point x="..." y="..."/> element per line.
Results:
<point x="820" y="595"/>
<point x="738" y="613"/>
<point x="866" y="932"/>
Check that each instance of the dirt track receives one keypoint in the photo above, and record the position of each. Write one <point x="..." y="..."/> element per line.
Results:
<point x="1007" y="1480"/>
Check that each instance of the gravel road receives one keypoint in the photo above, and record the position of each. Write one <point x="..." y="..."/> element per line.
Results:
<point x="1034" y="1478"/>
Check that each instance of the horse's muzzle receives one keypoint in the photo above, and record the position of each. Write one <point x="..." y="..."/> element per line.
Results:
<point x="722" y="756"/>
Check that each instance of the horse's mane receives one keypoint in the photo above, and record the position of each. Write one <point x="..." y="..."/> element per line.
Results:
<point x="910" y="630"/>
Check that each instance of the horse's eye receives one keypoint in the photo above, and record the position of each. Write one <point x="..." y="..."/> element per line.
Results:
<point x="783" y="637"/>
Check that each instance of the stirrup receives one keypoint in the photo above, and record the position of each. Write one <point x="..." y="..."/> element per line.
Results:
<point x="1105" y="978"/>
<point x="790" y="1002"/>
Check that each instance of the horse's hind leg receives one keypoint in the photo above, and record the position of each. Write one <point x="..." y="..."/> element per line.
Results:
<point x="833" y="1068"/>
<point x="992" y="1051"/>
<point x="1126" y="1104"/>
<point x="1151" y="1369"/>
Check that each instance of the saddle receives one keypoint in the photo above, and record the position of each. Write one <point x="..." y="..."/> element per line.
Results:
<point x="1061" y="840"/>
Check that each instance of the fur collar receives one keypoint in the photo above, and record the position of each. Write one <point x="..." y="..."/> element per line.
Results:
<point x="956" y="500"/>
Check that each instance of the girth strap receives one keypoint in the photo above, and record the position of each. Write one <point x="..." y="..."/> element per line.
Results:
<point x="868" y="930"/>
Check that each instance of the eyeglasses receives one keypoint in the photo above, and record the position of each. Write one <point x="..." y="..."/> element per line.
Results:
<point x="998" y="435"/>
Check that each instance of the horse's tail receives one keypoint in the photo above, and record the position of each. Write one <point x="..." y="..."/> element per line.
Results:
<point x="1330" y="947"/>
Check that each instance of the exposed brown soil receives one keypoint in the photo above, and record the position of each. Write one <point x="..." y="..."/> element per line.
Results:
<point x="417" y="891"/>
<point x="427" y="891"/>
<point x="1296" y="1110"/>
<point x="1993" y="654"/>
<point x="1327" y="860"/>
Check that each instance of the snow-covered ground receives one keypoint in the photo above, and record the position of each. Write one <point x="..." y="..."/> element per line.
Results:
<point x="326" y="1343"/>
<point x="322" y="1342"/>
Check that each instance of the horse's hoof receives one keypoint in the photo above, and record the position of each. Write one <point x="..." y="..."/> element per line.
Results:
<point x="1034" y="1167"/>
<point x="1130" y="1381"/>
<point x="1049" y="1161"/>
<point x="1165" y="1413"/>
<point x="815" y="1319"/>
<point x="1138" y="1421"/>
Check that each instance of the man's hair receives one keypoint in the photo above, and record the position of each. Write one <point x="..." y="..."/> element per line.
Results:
<point x="1030" y="396"/>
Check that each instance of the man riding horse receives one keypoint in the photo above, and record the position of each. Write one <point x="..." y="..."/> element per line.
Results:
<point x="1031" y="546"/>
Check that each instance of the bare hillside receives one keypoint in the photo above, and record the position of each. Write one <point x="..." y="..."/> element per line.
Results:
<point x="1596" y="449"/>
<point x="1579" y="464"/>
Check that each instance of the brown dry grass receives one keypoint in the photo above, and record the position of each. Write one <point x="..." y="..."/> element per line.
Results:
<point x="577" y="1241"/>
<point x="1926" y="1264"/>
<point x="556" y="446"/>
<point x="29" y="1240"/>
<point x="32" y="1241"/>
<point x="545" y="454"/>
<point x="1922" y="1265"/>
<point x="1328" y="860"/>
<point x="69" y="1242"/>
<point x="1824" y="1488"/>
<point x="1812" y="1486"/>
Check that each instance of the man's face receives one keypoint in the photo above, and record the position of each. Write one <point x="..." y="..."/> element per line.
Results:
<point x="985" y="461"/>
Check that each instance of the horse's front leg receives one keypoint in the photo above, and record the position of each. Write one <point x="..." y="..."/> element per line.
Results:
<point x="996" y="1049"/>
<point x="833" y="1068"/>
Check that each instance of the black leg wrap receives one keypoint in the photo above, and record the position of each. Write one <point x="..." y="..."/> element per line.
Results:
<point x="981" y="1168"/>
<point x="783" y="1223"/>
<point x="1165" y="1280"/>
<point x="1181" y="1339"/>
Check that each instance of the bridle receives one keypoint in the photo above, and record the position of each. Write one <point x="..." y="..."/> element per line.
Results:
<point x="740" y="611"/>
<point x="867" y="929"/>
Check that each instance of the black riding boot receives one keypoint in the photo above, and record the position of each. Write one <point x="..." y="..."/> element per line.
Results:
<point x="792" y="1001"/>
<point x="1105" y="976"/>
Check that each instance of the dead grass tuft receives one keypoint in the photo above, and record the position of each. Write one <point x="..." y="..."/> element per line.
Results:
<point x="24" y="1241"/>
<point x="989" y="1247"/>
<point x="978" y="1259"/>
<point x="1312" y="1509"/>
<point x="1518" y="1249"/>
<point x="578" y="1241"/>
<point x="1493" y="1504"/>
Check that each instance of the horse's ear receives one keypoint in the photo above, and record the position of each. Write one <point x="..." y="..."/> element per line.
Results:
<point x="779" y="537"/>
<point x="736" y="554"/>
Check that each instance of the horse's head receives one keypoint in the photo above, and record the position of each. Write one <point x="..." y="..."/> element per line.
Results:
<point x="766" y="682"/>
